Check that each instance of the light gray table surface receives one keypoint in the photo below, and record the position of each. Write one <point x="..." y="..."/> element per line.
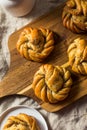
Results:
<point x="73" y="117"/>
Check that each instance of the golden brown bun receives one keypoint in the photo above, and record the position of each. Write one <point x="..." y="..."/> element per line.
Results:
<point x="77" y="53"/>
<point x="35" y="44"/>
<point x="52" y="83"/>
<point x="21" y="122"/>
<point x="75" y="15"/>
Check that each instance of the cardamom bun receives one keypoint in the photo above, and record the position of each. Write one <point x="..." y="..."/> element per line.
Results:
<point x="52" y="83"/>
<point x="74" y="16"/>
<point x="77" y="53"/>
<point x="21" y="122"/>
<point x="35" y="44"/>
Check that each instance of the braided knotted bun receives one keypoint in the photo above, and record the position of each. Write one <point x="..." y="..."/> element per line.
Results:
<point x="21" y="122"/>
<point x="77" y="53"/>
<point x="35" y="44"/>
<point x="75" y="15"/>
<point x="52" y="83"/>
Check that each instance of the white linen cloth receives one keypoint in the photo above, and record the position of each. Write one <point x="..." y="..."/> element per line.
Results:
<point x="73" y="117"/>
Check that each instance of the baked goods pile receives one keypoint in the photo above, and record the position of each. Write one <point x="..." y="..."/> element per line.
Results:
<point x="21" y="122"/>
<point x="35" y="44"/>
<point x="52" y="83"/>
<point x="75" y="15"/>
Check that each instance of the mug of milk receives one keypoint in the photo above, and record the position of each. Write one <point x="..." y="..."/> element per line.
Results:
<point x="17" y="8"/>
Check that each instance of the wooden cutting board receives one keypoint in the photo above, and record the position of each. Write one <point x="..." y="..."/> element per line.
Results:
<point x="20" y="75"/>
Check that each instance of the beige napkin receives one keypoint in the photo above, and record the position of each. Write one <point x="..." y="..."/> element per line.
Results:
<point x="74" y="117"/>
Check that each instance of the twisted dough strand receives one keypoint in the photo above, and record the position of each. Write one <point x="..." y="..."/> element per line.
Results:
<point x="77" y="53"/>
<point x="52" y="84"/>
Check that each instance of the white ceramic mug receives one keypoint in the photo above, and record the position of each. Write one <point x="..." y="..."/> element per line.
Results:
<point x="17" y="7"/>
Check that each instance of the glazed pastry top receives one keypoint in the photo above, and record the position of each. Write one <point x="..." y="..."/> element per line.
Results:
<point x="77" y="53"/>
<point x="52" y="83"/>
<point x="21" y="122"/>
<point x="35" y="44"/>
<point x="75" y="15"/>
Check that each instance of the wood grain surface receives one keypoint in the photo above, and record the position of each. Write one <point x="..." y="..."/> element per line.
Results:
<point x="20" y="75"/>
